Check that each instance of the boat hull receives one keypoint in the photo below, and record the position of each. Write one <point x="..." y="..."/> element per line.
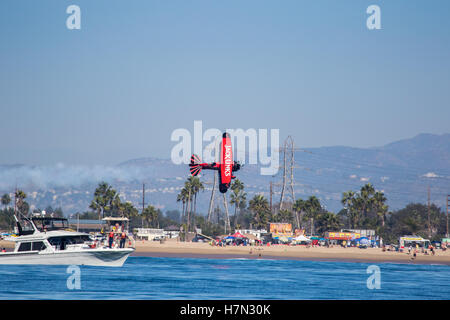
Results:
<point x="93" y="257"/>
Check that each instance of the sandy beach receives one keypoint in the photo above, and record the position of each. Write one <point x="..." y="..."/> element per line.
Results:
<point x="172" y="248"/>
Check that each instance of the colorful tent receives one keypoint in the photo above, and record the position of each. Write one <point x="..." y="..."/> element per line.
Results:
<point x="363" y="241"/>
<point x="301" y="238"/>
<point x="238" y="235"/>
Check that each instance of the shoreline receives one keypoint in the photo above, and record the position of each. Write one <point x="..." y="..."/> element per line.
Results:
<point x="174" y="249"/>
<point x="267" y="257"/>
<point x="336" y="254"/>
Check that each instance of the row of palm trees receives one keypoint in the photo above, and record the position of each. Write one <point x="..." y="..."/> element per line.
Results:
<point x="365" y="205"/>
<point x="300" y="212"/>
<point x="258" y="207"/>
<point x="107" y="202"/>
<point x="21" y="205"/>
<point x="188" y="198"/>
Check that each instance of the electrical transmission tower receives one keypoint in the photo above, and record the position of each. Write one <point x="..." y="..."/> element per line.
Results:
<point x="288" y="168"/>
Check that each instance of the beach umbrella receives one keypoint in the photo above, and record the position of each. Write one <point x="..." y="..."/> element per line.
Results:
<point x="364" y="241"/>
<point x="301" y="238"/>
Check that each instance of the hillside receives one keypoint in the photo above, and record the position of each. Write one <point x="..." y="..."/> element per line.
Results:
<point x="402" y="169"/>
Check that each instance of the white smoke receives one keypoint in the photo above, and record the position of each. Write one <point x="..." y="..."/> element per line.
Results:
<point x="61" y="175"/>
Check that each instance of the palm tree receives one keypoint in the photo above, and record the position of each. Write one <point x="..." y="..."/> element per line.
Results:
<point x="365" y="199"/>
<point x="284" y="215"/>
<point x="188" y="187"/>
<point x="151" y="215"/>
<point x="21" y="205"/>
<point x="260" y="208"/>
<point x="238" y="197"/>
<point x="182" y="197"/>
<point x="381" y="208"/>
<point x="312" y="207"/>
<point x="196" y="186"/>
<point x="117" y="207"/>
<point x="298" y="207"/>
<point x="348" y="201"/>
<point x="328" y="221"/>
<point x="237" y="184"/>
<point x="227" y="215"/>
<point x="128" y="210"/>
<point x="6" y="200"/>
<point x="104" y="198"/>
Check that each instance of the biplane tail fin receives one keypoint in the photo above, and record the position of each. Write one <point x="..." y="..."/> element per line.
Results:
<point x="195" y="166"/>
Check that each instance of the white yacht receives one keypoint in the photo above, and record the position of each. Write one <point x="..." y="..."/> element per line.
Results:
<point x="48" y="241"/>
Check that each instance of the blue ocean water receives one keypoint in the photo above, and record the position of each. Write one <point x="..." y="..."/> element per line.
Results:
<point x="189" y="278"/>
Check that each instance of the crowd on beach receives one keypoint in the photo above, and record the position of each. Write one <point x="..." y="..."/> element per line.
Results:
<point x="415" y="250"/>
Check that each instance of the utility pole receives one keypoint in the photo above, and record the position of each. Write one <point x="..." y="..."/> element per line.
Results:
<point x="211" y="200"/>
<point x="15" y="202"/>
<point x="292" y="164"/>
<point x="271" y="193"/>
<point x="429" y="219"/>
<point x="284" y="174"/>
<point x="143" y="204"/>
<point x="446" y="234"/>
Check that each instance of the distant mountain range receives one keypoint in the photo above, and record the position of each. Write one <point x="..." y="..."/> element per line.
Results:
<point x="403" y="170"/>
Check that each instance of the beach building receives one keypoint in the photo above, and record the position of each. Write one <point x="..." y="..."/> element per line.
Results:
<point x="172" y="232"/>
<point x="148" y="233"/>
<point x="343" y="238"/>
<point x="281" y="232"/>
<point x="368" y="233"/>
<point x="413" y="241"/>
<point x="255" y="233"/>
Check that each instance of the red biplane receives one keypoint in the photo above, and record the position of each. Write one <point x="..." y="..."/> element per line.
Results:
<point x="225" y="167"/>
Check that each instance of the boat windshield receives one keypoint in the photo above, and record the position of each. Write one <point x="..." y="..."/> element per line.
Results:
<point x="48" y="224"/>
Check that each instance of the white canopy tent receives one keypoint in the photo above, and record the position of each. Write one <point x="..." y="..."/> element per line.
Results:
<point x="302" y="238"/>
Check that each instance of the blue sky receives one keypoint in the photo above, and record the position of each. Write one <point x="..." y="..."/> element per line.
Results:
<point x="137" y="70"/>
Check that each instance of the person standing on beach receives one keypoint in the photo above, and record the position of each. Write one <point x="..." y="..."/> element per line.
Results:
<point x="415" y="254"/>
